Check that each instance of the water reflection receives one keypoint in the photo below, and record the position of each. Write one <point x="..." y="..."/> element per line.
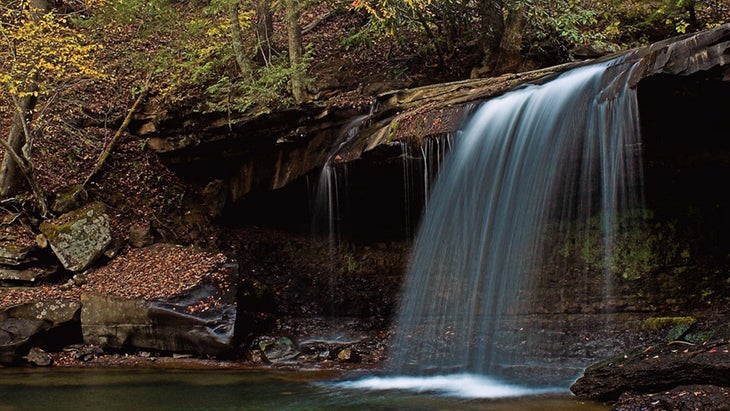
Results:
<point x="239" y="390"/>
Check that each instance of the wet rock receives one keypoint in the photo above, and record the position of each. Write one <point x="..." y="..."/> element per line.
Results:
<point x="80" y="237"/>
<point x="200" y="320"/>
<point x="348" y="355"/>
<point x="31" y="322"/>
<point x="657" y="368"/>
<point x="277" y="349"/>
<point x="22" y="277"/>
<point x="37" y="356"/>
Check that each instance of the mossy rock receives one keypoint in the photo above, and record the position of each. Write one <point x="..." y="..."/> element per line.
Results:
<point x="662" y="323"/>
<point x="69" y="199"/>
<point x="80" y="237"/>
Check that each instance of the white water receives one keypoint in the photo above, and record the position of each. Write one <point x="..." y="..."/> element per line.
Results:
<point x="457" y="385"/>
<point x="541" y="155"/>
<point x="330" y="191"/>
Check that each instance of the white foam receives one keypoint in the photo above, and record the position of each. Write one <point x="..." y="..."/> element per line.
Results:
<point x="456" y="385"/>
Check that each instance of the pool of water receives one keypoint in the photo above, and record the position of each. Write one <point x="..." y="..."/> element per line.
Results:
<point x="55" y="389"/>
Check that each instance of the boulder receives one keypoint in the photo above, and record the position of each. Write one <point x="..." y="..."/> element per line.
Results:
<point x="80" y="237"/>
<point x="28" y="276"/>
<point x="276" y="349"/>
<point x="657" y="368"/>
<point x="13" y="254"/>
<point x="39" y="357"/>
<point x="200" y="320"/>
<point x="17" y="241"/>
<point x="29" y="323"/>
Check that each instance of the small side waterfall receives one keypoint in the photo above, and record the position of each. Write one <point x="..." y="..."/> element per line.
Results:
<point x="419" y="173"/>
<point x="535" y="158"/>
<point x="329" y="198"/>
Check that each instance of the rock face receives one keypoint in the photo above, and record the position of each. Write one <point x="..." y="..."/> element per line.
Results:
<point x="269" y="151"/>
<point x="657" y="368"/>
<point x="25" y="277"/>
<point x="201" y="320"/>
<point x="29" y="323"/>
<point x="80" y="237"/>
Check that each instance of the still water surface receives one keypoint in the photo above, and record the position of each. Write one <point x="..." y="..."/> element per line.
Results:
<point x="25" y="389"/>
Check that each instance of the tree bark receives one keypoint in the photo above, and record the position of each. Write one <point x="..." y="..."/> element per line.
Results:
<point x="509" y="57"/>
<point x="11" y="181"/>
<point x="239" y="50"/>
<point x="24" y="166"/>
<point x="492" y="29"/>
<point x="120" y="130"/>
<point x="11" y="176"/>
<point x="296" y="51"/>
<point x="264" y="31"/>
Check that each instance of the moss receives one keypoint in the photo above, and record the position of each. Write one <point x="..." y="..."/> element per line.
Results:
<point x="640" y="245"/>
<point x="393" y="130"/>
<point x="699" y="337"/>
<point x="351" y="264"/>
<point x="660" y="323"/>
<point x="66" y="222"/>
<point x="69" y="199"/>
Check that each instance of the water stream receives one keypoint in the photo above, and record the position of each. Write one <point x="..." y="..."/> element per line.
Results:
<point x="537" y="157"/>
<point x="109" y="389"/>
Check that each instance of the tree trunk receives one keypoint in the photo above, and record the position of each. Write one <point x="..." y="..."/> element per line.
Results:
<point x="264" y="31"/>
<point x="11" y="177"/>
<point x="492" y="29"/>
<point x="294" y="32"/>
<point x="509" y="57"/>
<point x="25" y="166"/>
<point x="237" y="39"/>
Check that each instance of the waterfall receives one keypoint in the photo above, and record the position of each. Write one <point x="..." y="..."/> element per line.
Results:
<point x="533" y="159"/>
<point x="419" y="174"/>
<point x="329" y="194"/>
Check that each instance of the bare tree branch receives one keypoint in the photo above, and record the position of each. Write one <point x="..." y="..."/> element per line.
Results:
<point x="108" y="149"/>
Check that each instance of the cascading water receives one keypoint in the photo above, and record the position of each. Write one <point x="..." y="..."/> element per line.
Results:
<point x="328" y="197"/>
<point x="538" y="157"/>
<point x="419" y="173"/>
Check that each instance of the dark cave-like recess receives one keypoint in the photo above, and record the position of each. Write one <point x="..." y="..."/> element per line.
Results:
<point x="375" y="202"/>
<point x="687" y="156"/>
<point x="686" y="160"/>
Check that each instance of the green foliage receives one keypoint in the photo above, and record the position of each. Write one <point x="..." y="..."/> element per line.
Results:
<point x="699" y="337"/>
<point x="188" y="47"/>
<point x="352" y="265"/>
<point x="640" y="245"/>
<point x="678" y="331"/>
<point x="556" y="27"/>
<point x="40" y="49"/>
<point x="636" y="23"/>
<point x="358" y="38"/>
